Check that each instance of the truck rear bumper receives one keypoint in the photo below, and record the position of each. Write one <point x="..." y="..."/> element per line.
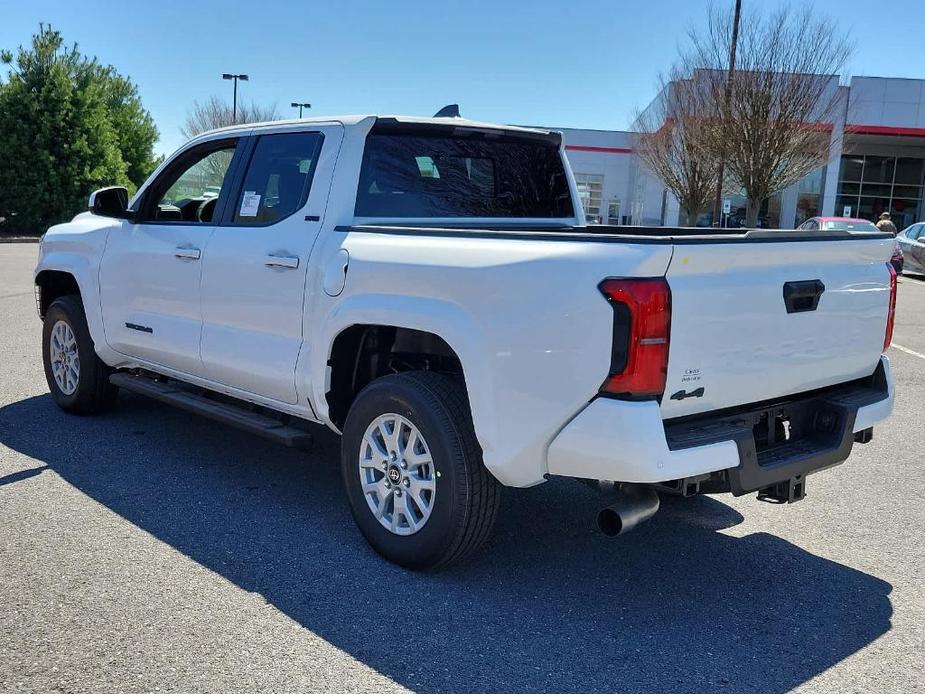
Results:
<point x="758" y="445"/>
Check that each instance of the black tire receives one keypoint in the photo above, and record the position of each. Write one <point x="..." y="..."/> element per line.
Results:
<point x="94" y="393"/>
<point x="467" y="496"/>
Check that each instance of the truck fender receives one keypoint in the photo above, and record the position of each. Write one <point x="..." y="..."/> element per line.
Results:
<point x="84" y="275"/>
<point x="442" y="318"/>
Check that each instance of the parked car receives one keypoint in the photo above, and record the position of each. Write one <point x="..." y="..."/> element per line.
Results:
<point x="911" y="241"/>
<point x="837" y="224"/>
<point x="428" y="289"/>
<point x="897" y="260"/>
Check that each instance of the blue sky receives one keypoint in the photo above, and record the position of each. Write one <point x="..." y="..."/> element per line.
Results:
<point x="569" y="63"/>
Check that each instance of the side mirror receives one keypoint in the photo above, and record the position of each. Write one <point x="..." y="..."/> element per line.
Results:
<point x="110" y="202"/>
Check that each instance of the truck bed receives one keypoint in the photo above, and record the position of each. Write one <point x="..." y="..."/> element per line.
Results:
<point x="739" y="332"/>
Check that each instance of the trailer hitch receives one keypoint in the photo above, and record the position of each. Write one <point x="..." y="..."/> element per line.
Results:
<point x="785" y="492"/>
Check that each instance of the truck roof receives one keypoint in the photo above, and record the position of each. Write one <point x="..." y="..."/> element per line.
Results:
<point x="353" y="120"/>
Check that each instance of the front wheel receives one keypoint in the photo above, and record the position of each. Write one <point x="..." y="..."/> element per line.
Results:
<point x="413" y="471"/>
<point x="77" y="378"/>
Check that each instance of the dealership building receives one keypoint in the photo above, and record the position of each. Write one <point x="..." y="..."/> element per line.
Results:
<point x="877" y="164"/>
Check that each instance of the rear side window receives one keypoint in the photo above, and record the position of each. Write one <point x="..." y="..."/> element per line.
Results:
<point x="466" y="175"/>
<point x="278" y="178"/>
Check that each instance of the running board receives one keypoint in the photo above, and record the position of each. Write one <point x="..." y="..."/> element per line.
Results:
<point x="176" y="394"/>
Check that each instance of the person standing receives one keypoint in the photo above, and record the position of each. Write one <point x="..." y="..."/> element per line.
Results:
<point x="886" y="224"/>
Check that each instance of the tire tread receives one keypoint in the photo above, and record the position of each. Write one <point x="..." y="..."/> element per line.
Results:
<point x="476" y="494"/>
<point x="475" y="527"/>
<point x="101" y="394"/>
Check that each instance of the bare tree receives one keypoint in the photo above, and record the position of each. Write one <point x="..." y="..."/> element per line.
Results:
<point x="674" y="140"/>
<point x="777" y="124"/>
<point x="215" y="113"/>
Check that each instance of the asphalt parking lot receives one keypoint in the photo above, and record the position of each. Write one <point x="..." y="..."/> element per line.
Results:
<point x="148" y="550"/>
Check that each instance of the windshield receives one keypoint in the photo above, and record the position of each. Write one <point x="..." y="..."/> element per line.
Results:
<point x="849" y="225"/>
<point x="464" y="174"/>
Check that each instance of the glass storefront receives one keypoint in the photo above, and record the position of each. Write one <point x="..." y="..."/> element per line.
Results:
<point x="809" y="196"/>
<point x="768" y="215"/>
<point x="870" y="185"/>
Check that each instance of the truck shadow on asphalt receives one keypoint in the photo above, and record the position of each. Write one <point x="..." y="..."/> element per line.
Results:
<point x="550" y="604"/>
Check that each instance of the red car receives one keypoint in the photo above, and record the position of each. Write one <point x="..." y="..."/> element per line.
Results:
<point x="852" y="224"/>
<point x="838" y="224"/>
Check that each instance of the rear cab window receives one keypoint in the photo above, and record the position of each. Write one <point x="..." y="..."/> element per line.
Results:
<point x="278" y="178"/>
<point x="460" y="173"/>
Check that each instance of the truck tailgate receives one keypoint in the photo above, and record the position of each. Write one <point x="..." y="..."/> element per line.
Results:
<point x="733" y="340"/>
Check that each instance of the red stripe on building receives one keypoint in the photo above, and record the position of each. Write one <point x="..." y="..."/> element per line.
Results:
<point x="857" y="129"/>
<point x="609" y="150"/>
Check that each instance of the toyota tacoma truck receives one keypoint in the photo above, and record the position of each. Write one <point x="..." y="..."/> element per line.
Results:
<point x="428" y="289"/>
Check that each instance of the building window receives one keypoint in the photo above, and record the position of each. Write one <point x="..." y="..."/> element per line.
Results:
<point x="768" y="213"/>
<point x="809" y="196"/>
<point x="870" y="185"/>
<point x="590" y="191"/>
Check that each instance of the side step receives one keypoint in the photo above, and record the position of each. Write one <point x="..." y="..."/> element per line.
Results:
<point x="177" y="395"/>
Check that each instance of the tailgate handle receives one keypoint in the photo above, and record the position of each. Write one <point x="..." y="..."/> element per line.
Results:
<point x="802" y="296"/>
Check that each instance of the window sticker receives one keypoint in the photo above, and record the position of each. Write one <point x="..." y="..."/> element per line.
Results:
<point x="250" y="204"/>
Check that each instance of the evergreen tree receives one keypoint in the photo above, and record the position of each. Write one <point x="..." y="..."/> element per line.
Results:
<point x="67" y="127"/>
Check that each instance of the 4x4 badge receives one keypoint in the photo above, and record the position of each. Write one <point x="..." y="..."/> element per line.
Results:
<point x="681" y="394"/>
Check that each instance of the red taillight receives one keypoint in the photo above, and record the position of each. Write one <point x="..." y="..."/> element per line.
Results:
<point x="891" y="316"/>
<point x="642" y="320"/>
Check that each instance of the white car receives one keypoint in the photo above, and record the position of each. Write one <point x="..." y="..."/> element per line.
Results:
<point x="427" y="288"/>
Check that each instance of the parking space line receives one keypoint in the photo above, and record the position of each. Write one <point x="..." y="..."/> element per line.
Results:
<point x="908" y="351"/>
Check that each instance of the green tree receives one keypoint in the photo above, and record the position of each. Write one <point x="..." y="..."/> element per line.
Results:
<point x="135" y="131"/>
<point x="67" y="126"/>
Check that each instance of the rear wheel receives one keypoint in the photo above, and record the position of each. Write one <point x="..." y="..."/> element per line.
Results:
<point x="77" y="378"/>
<point x="413" y="471"/>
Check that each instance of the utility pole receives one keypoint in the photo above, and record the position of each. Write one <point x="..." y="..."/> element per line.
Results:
<point x="718" y="201"/>
<point x="300" y="106"/>
<point x="234" y="102"/>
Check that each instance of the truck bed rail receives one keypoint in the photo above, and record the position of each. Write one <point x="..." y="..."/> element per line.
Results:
<point x="613" y="234"/>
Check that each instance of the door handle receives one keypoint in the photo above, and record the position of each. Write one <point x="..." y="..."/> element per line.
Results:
<point x="191" y="253"/>
<point x="282" y="261"/>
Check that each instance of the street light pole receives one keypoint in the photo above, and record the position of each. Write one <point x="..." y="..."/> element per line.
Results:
<point x="718" y="200"/>
<point x="300" y="106"/>
<point x="234" y="103"/>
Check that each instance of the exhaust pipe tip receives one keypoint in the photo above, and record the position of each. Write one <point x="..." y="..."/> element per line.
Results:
<point x="634" y="505"/>
<point x="609" y="522"/>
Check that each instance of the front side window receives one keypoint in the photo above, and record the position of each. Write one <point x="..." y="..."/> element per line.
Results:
<point x="188" y="190"/>
<point x="278" y="178"/>
<point x="464" y="174"/>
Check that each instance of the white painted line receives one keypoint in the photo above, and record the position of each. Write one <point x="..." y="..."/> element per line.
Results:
<point x="908" y="351"/>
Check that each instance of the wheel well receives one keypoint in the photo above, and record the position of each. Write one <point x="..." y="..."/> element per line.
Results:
<point x="362" y="353"/>
<point x="51" y="285"/>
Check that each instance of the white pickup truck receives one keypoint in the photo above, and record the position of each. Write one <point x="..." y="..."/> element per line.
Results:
<point x="428" y="288"/>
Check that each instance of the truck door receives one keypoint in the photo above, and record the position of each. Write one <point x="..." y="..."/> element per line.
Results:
<point x="151" y="268"/>
<point x="255" y="264"/>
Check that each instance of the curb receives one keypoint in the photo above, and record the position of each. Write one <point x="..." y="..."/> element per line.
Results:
<point x="21" y="239"/>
